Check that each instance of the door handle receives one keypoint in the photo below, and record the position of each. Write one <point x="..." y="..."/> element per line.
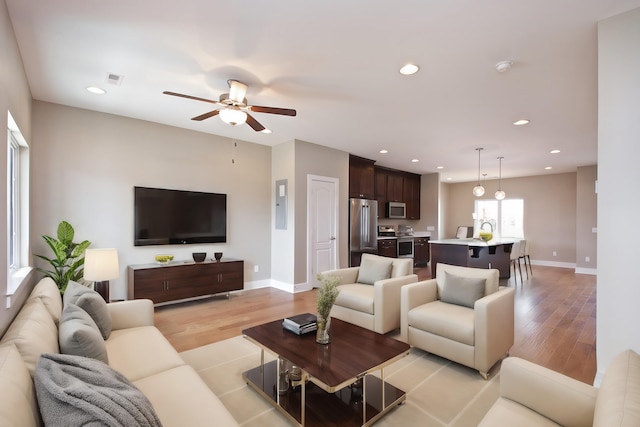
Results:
<point x="332" y="238"/>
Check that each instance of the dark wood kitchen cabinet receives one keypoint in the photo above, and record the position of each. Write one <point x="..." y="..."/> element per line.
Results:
<point x="397" y="186"/>
<point x="361" y="178"/>
<point x="411" y="195"/>
<point x="420" y="251"/>
<point x="388" y="247"/>
<point x="181" y="280"/>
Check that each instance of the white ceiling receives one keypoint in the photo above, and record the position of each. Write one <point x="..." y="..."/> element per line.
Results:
<point x="336" y="62"/>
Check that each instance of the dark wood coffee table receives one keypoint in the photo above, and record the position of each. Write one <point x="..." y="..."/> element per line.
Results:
<point x="336" y="388"/>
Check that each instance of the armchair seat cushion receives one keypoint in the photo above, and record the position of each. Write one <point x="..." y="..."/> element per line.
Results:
<point x="507" y="412"/>
<point x="450" y="321"/>
<point x="357" y="297"/>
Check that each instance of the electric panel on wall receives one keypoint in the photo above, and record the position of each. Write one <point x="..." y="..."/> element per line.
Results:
<point x="281" y="204"/>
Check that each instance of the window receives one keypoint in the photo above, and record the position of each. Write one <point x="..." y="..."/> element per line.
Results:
<point x="17" y="207"/>
<point x="506" y="217"/>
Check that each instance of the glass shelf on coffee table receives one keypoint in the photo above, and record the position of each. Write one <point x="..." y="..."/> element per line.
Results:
<point x="336" y="386"/>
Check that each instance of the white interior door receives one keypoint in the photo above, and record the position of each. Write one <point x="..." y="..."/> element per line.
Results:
<point x="322" y="225"/>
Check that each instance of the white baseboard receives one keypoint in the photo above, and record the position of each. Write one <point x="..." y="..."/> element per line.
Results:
<point x="287" y="287"/>
<point x="257" y="284"/>
<point x="546" y="263"/>
<point x="590" y="271"/>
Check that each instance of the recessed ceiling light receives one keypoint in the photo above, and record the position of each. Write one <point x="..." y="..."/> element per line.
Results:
<point x="415" y="160"/>
<point x="549" y="168"/>
<point x="383" y="151"/>
<point x="521" y="122"/>
<point x="265" y="130"/>
<point x="554" y="151"/>
<point x="439" y="167"/>
<point x="449" y="179"/>
<point x="409" y="69"/>
<point x="503" y="66"/>
<point x="96" y="90"/>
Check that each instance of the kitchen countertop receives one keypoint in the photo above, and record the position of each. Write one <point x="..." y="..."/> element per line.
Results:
<point x="415" y="234"/>
<point x="473" y="242"/>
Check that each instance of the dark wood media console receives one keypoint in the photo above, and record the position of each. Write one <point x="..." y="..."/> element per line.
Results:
<point x="180" y="280"/>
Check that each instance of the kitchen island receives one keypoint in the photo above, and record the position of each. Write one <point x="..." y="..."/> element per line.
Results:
<point x="473" y="253"/>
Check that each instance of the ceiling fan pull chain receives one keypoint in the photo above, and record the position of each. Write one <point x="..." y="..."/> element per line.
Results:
<point x="233" y="150"/>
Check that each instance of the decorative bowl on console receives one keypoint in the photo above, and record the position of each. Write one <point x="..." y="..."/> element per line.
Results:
<point x="199" y="256"/>
<point x="218" y="256"/>
<point x="164" y="259"/>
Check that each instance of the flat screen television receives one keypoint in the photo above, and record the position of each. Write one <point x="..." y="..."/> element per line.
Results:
<point x="171" y="217"/>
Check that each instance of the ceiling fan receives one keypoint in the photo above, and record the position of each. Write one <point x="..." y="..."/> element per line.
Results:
<point x="235" y="110"/>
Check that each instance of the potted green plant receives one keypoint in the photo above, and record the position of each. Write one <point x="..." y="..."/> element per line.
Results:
<point x="68" y="257"/>
<point x="327" y="294"/>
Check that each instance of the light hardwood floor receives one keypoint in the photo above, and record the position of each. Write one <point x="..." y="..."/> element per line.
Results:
<point x="555" y="318"/>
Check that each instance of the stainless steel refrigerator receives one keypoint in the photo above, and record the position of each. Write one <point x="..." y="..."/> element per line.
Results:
<point x="363" y="229"/>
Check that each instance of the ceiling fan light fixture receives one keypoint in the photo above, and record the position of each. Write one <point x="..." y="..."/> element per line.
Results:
<point x="233" y="116"/>
<point x="237" y="91"/>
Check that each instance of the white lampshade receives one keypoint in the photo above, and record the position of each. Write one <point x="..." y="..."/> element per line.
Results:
<point x="478" y="190"/>
<point x="101" y="264"/>
<point x="233" y="116"/>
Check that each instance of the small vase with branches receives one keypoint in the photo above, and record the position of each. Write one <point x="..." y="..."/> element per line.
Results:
<point x="327" y="294"/>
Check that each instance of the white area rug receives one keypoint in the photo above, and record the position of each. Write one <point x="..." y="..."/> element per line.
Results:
<point x="439" y="392"/>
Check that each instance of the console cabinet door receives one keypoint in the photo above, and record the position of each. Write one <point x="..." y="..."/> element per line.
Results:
<point x="182" y="281"/>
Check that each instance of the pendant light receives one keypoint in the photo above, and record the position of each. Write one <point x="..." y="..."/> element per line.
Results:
<point x="500" y="195"/>
<point x="478" y="190"/>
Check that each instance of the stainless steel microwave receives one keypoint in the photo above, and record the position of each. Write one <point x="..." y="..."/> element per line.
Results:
<point x="396" y="210"/>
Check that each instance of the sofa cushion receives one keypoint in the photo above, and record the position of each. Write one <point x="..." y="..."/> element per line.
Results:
<point x="79" y="391"/>
<point x="141" y="352"/>
<point x="79" y="335"/>
<point x="181" y="398"/>
<point x="33" y="332"/>
<point x="450" y="321"/>
<point x="18" y="406"/>
<point x="618" y="402"/>
<point x="505" y="412"/>
<point x="91" y="302"/>
<point x="464" y="291"/>
<point x="47" y="291"/>
<point x="374" y="268"/>
<point x="357" y="297"/>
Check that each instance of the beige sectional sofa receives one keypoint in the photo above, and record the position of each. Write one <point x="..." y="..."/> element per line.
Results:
<point x="531" y="395"/>
<point x="135" y="349"/>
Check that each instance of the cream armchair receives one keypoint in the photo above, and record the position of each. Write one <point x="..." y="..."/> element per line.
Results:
<point x="462" y="315"/>
<point x="370" y="294"/>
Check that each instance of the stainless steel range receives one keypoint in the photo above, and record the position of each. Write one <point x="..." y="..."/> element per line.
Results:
<point x="404" y="238"/>
<point x="404" y="235"/>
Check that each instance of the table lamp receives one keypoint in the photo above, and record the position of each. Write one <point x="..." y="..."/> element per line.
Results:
<point x="101" y="265"/>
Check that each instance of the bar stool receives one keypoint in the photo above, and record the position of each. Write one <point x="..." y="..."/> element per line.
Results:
<point x="514" y="258"/>
<point x="524" y="254"/>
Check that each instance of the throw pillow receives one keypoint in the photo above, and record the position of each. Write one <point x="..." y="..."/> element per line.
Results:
<point x="77" y="391"/>
<point x="91" y="302"/>
<point x="460" y="290"/>
<point x="78" y="334"/>
<point x="373" y="269"/>
<point x="47" y="291"/>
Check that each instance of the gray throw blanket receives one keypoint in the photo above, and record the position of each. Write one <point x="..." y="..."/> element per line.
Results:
<point x="79" y="391"/>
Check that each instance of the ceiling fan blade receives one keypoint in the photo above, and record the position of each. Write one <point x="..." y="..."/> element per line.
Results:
<point x="181" y="95"/>
<point x="273" y="110"/>
<point x="254" y="124"/>
<point x="206" y="115"/>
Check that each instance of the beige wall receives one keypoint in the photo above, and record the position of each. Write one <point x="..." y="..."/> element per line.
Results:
<point x="549" y="213"/>
<point x="85" y="165"/>
<point x="586" y="208"/>
<point x="15" y="97"/>
<point x="618" y="290"/>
